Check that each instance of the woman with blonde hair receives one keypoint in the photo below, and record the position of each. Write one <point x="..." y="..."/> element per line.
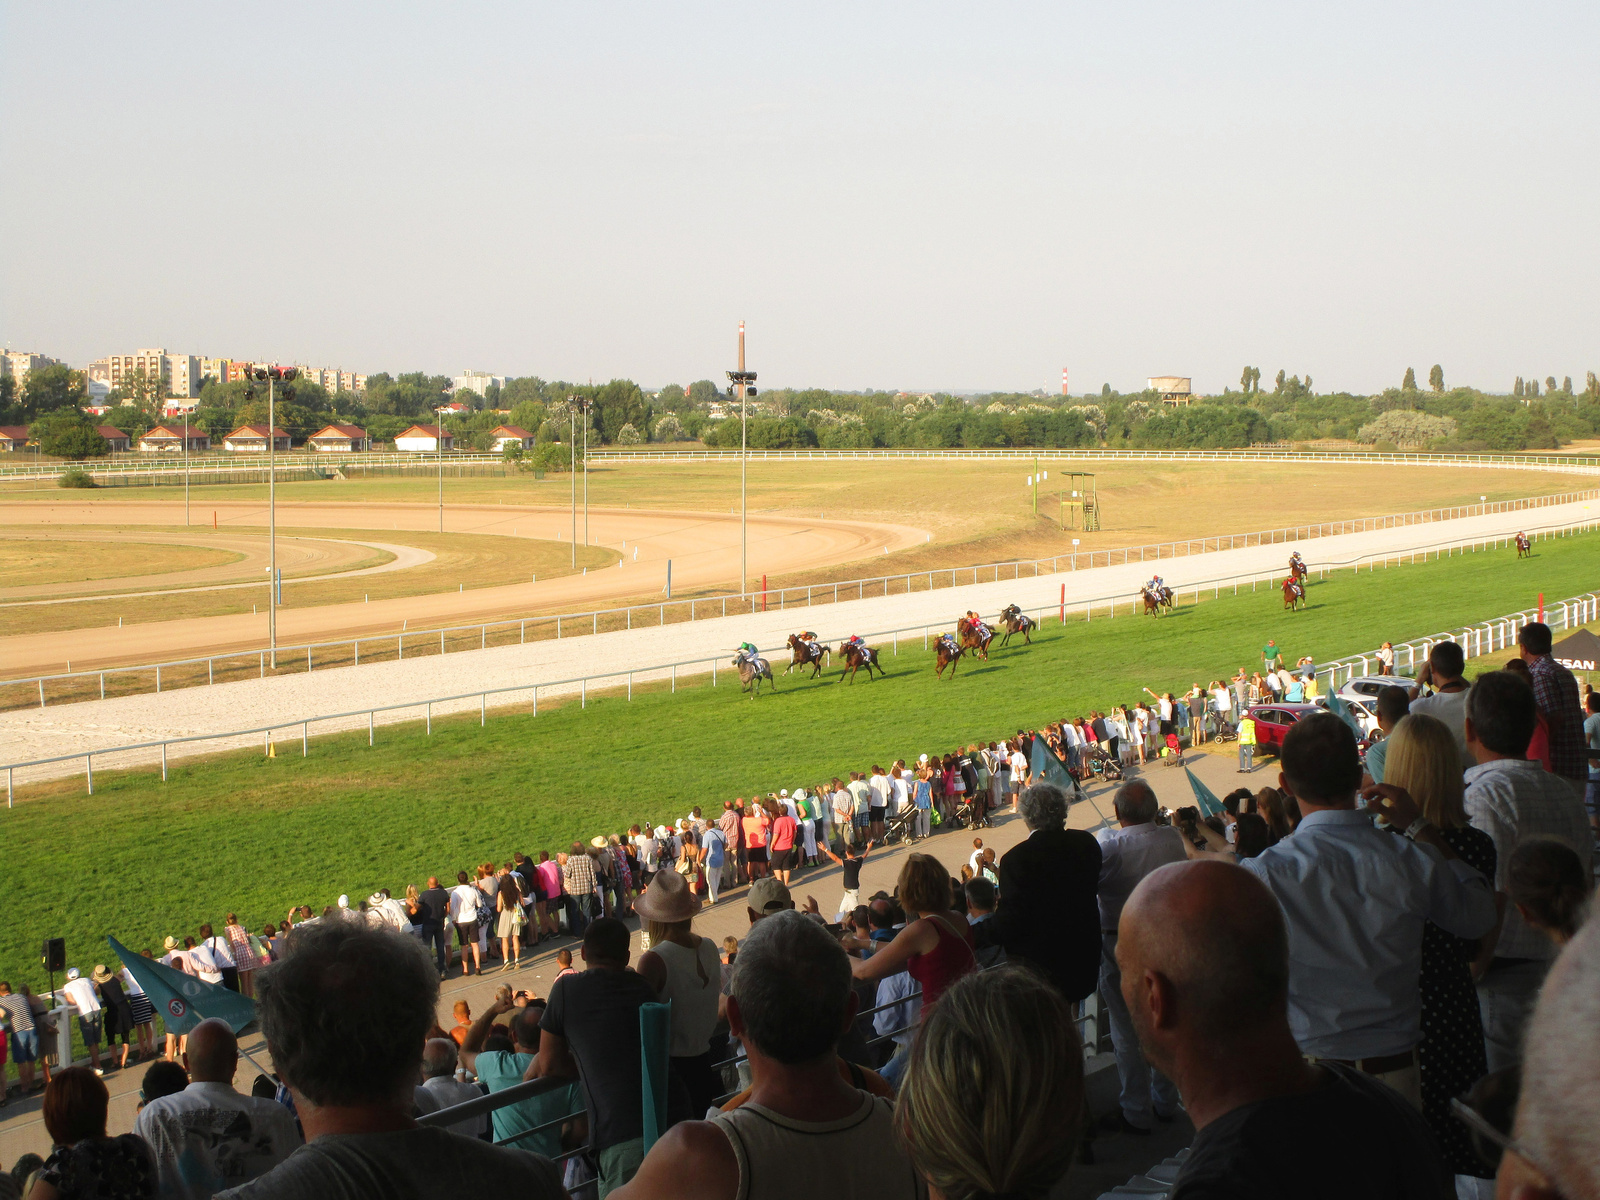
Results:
<point x="1424" y="760"/>
<point x="935" y="947"/>
<point x="992" y="1103"/>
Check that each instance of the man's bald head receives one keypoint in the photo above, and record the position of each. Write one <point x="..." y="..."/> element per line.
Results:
<point x="1559" y="1112"/>
<point x="1135" y="803"/>
<point x="212" y="1052"/>
<point x="1216" y="934"/>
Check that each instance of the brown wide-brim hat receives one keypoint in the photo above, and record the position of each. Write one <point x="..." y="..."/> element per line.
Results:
<point x="100" y="974"/>
<point x="667" y="899"/>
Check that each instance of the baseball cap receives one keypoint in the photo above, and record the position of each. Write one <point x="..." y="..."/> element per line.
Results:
<point x="767" y="895"/>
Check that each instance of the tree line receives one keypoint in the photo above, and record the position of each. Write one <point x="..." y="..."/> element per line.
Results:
<point x="1534" y="416"/>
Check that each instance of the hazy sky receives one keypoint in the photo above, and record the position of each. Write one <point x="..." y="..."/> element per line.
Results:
<point x="920" y="196"/>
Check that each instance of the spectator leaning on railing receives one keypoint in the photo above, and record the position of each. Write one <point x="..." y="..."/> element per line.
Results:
<point x="1355" y="901"/>
<point x="345" y="1012"/>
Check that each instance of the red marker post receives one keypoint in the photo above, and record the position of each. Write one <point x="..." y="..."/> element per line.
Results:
<point x="1541" y="608"/>
<point x="1063" y="604"/>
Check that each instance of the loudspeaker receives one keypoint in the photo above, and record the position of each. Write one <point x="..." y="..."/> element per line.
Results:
<point x="53" y="954"/>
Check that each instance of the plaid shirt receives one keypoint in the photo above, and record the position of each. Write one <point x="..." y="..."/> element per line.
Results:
<point x="1557" y="693"/>
<point x="578" y="875"/>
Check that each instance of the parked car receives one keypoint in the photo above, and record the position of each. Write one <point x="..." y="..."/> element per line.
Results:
<point x="1367" y="687"/>
<point x="1273" y="721"/>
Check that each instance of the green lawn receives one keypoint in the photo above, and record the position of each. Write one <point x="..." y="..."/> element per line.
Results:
<point x="142" y="859"/>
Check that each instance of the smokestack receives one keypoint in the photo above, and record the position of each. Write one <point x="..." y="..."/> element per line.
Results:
<point x="1063" y="381"/>
<point x="741" y="345"/>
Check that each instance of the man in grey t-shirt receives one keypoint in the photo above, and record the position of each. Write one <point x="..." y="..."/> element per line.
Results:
<point x="319" y="1006"/>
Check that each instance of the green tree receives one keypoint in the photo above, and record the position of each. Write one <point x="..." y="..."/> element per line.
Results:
<point x="1245" y="380"/>
<point x="1409" y="383"/>
<point x="1566" y="384"/>
<point x="669" y="429"/>
<point x="619" y="403"/>
<point x="672" y="398"/>
<point x="68" y="433"/>
<point x="527" y="414"/>
<point x="1592" y="386"/>
<point x="9" y="407"/>
<point x="50" y="388"/>
<point x="1532" y="388"/>
<point x="1436" y="378"/>
<point x="1550" y="383"/>
<point x="702" y="392"/>
<point x="1518" y="388"/>
<point x="143" y="392"/>
<point x="1283" y="378"/>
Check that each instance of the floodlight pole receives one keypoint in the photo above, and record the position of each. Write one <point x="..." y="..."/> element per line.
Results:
<point x="572" y="470"/>
<point x="272" y="525"/>
<point x="186" y="470"/>
<point x="741" y="381"/>
<point x="440" y="445"/>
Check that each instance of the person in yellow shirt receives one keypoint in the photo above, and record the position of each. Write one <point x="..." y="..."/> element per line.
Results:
<point x="1247" y="745"/>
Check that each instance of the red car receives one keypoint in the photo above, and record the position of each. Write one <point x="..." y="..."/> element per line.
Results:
<point x="1273" y="721"/>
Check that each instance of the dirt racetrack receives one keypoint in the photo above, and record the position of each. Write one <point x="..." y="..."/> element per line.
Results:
<point x="703" y="549"/>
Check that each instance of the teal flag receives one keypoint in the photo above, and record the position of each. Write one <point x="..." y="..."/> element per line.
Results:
<point x="1342" y="710"/>
<point x="182" y="1001"/>
<point x="1044" y="761"/>
<point x="655" y="1040"/>
<point x="1210" y="806"/>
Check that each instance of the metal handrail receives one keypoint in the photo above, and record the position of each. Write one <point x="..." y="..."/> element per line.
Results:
<point x="582" y="682"/>
<point x="1544" y="462"/>
<point x="593" y="616"/>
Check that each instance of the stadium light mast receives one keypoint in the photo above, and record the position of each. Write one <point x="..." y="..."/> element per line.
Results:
<point x="274" y="587"/>
<point x="739" y="384"/>
<point x="576" y="405"/>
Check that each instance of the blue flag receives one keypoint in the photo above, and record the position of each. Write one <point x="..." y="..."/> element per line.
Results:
<point x="654" y="1043"/>
<point x="1046" y="762"/>
<point x="1342" y="710"/>
<point x="180" y="1000"/>
<point x="1210" y="806"/>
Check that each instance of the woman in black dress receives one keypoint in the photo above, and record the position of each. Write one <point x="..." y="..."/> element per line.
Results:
<point x="1423" y="759"/>
<point x="118" y="1009"/>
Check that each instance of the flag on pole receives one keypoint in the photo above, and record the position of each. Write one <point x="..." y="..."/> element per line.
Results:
<point x="1210" y="806"/>
<point x="1047" y="762"/>
<point x="181" y="1000"/>
<point x="1340" y="709"/>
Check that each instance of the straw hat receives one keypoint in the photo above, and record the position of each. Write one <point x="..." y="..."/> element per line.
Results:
<point x="100" y="974"/>
<point x="598" y="841"/>
<point x="170" y="944"/>
<point x="667" y="899"/>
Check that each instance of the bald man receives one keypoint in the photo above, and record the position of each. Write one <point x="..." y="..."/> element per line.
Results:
<point x="1557" y="1149"/>
<point x="1204" y="958"/>
<point x="209" y="1137"/>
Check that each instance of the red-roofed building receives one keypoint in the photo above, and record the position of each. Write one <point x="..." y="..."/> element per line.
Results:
<point x="171" y="439"/>
<point x="253" y="439"/>
<point x="423" y="439"/>
<point x="504" y="435"/>
<point x="13" y="437"/>
<point x="454" y="408"/>
<point x="344" y="438"/>
<point x="115" y="438"/>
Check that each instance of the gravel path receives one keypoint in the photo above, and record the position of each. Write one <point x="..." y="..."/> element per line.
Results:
<point x="95" y="725"/>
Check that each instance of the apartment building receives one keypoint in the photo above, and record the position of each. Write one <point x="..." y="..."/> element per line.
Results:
<point x="17" y="364"/>
<point x="477" y="381"/>
<point x="336" y="380"/>
<point x="179" y="373"/>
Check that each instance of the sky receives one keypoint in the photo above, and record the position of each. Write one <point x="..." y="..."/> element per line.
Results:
<point x="915" y="196"/>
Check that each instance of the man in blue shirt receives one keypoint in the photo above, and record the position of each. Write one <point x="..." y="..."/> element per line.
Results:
<point x="500" y="1069"/>
<point x="1355" y="900"/>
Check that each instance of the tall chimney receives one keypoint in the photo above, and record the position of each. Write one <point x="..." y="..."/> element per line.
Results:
<point x="1063" y="381"/>
<point x="741" y="346"/>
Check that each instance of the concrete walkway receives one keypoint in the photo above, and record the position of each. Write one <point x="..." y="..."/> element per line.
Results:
<point x="96" y="725"/>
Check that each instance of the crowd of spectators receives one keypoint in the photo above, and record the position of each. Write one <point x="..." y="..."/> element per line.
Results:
<point x="1376" y="979"/>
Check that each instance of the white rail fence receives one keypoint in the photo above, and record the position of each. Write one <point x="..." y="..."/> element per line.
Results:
<point x="1487" y="635"/>
<point x="700" y="608"/>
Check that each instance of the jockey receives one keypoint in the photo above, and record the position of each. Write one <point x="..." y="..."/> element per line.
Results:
<point x="747" y="651"/>
<point x="1156" y="585"/>
<point x="1296" y="561"/>
<point x="855" y="640"/>
<point x="949" y="640"/>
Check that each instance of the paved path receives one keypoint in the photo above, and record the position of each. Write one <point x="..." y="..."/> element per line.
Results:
<point x="21" y="1130"/>
<point x="73" y="728"/>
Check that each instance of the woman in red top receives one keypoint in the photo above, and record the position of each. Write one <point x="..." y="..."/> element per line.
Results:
<point x="781" y="846"/>
<point x="936" y="944"/>
<point x="755" y="841"/>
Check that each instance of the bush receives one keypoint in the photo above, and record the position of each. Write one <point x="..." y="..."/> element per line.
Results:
<point x="628" y="436"/>
<point x="669" y="429"/>
<point x="552" y="456"/>
<point x="76" y="477"/>
<point x="69" y="434"/>
<point x="1406" y="427"/>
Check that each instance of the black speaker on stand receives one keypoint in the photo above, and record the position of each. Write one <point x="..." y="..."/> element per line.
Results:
<point x="53" y="957"/>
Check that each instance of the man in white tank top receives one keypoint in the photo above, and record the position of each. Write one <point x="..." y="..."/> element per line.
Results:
<point x="805" y="1131"/>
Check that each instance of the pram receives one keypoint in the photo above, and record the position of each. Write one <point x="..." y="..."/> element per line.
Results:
<point x="1102" y="766"/>
<point x="1222" y="731"/>
<point x="901" y="825"/>
<point x="972" y="810"/>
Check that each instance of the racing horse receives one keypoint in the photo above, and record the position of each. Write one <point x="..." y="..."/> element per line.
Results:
<point x="752" y="670"/>
<point x="806" y="654"/>
<point x="1015" y="621"/>
<point x="855" y="657"/>
<point x="1154" y="600"/>
<point x="1524" y="546"/>
<point x="974" y="636"/>
<point x="1297" y="567"/>
<point x="947" y="652"/>
<point x="1294" y="593"/>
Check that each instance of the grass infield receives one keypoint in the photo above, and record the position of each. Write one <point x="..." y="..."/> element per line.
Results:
<point x="251" y="835"/>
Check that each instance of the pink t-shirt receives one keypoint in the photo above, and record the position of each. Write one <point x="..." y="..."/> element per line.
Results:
<point x="550" y="877"/>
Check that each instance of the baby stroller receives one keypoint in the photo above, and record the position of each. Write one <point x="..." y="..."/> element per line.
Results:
<point x="1222" y="731"/>
<point x="1102" y="766"/>
<point x="900" y="825"/>
<point x="971" y="810"/>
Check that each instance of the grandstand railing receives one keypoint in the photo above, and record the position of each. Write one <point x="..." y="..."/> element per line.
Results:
<point x="515" y="630"/>
<point x="1573" y="611"/>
